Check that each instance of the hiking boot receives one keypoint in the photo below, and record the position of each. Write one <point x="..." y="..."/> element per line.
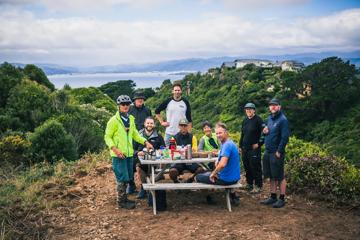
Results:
<point x="256" y="190"/>
<point x="141" y="194"/>
<point x="279" y="203"/>
<point x="269" y="201"/>
<point x="131" y="188"/>
<point x="126" y="204"/>
<point x="210" y="200"/>
<point x="249" y="187"/>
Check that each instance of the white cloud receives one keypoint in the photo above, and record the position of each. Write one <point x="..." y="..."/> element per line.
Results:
<point x="23" y="37"/>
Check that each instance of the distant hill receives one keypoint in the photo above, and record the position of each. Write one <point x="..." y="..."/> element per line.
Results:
<point x="194" y="64"/>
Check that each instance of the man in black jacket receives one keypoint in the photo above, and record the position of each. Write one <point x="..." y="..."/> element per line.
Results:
<point x="250" y="145"/>
<point x="150" y="133"/>
<point x="140" y="112"/>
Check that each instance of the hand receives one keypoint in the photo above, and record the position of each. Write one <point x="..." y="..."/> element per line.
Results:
<point x="165" y="124"/>
<point x="118" y="153"/>
<point x="215" y="152"/>
<point x="277" y="154"/>
<point x="213" y="177"/>
<point x="149" y="145"/>
<point x="141" y="154"/>
<point x="255" y="146"/>
<point x="265" y="130"/>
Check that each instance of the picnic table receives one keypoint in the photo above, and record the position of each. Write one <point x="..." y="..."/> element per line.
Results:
<point x="152" y="186"/>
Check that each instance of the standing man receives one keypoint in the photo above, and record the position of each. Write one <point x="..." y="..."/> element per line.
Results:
<point x="176" y="108"/>
<point x="140" y="112"/>
<point x="276" y="137"/>
<point x="250" y="145"/>
<point x="227" y="167"/>
<point x="119" y="135"/>
<point x="150" y="133"/>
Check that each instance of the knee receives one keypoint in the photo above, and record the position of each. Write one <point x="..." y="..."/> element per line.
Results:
<point x="173" y="173"/>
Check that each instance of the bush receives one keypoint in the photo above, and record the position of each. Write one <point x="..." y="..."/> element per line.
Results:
<point x="51" y="142"/>
<point x="15" y="150"/>
<point x="312" y="170"/>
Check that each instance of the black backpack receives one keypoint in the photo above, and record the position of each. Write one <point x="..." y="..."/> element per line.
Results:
<point x="160" y="200"/>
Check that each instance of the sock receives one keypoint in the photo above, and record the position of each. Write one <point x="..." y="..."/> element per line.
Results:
<point x="273" y="196"/>
<point x="282" y="197"/>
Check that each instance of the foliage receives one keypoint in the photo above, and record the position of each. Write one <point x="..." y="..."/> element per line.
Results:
<point x="37" y="74"/>
<point x="92" y="96"/>
<point x="114" y="89"/>
<point x="50" y="142"/>
<point x="312" y="170"/>
<point x="14" y="150"/>
<point x="28" y="104"/>
<point x="10" y="76"/>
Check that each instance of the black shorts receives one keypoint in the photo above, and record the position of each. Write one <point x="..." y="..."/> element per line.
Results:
<point x="273" y="167"/>
<point x="191" y="167"/>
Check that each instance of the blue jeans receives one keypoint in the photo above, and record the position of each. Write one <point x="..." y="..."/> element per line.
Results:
<point x="167" y="138"/>
<point x="205" y="178"/>
<point x="123" y="169"/>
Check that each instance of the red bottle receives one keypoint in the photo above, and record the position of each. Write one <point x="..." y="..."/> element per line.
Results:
<point x="172" y="145"/>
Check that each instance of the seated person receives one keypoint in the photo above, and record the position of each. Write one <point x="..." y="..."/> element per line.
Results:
<point x="150" y="133"/>
<point x="184" y="138"/>
<point x="209" y="142"/>
<point x="227" y="167"/>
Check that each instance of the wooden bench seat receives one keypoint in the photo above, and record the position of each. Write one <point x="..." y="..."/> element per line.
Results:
<point x="188" y="186"/>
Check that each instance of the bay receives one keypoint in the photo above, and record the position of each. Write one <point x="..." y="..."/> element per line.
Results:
<point x="142" y="79"/>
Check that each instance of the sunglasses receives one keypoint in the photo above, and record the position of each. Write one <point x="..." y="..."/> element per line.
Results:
<point x="125" y="104"/>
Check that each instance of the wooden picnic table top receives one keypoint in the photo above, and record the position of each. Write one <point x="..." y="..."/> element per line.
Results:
<point x="169" y="161"/>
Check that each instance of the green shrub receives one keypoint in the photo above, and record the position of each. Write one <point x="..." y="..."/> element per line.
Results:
<point x="15" y="150"/>
<point x="51" y="142"/>
<point x="309" y="169"/>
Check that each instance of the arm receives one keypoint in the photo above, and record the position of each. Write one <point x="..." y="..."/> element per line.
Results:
<point x="201" y="144"/>
<point x="285" y="133"/>
<point x="138" y="138"/>
<point x="194" y="143"/>
<point x="221" y="164"/>
<point x="109" y="133"/>
<point x="158" y="110"/>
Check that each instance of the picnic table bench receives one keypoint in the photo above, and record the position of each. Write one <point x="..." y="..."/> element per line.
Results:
<point x="152" y="186"/>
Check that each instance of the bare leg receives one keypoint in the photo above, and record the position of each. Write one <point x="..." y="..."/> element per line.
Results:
<point x="283" y="187"/>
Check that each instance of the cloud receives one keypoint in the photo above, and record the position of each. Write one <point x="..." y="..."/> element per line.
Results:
<point x="86" y="41"/>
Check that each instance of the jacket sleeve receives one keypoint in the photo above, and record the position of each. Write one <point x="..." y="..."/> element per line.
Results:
<point x="194" y="143"/>
<point x="188" y="110"/>
<point x="284" y="136"/>
<point x="109" y="133"/>
<point x="261" y="126"/>
<point x="201" y="144"/>
<point x="241" y="134"/>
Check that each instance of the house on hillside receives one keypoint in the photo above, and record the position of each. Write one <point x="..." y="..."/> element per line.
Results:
<point x="291" y="65"/>
<point x="228" y="65"/>
<point x="212" y="72"/>
<point x="240" y="63"/>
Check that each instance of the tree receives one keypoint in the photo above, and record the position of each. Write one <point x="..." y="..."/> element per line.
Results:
<point x="10" y="76"/>
<point x="50" y="142"/>
<point x="30" y="102"/>
<point x="37" y="74"/>
<point x="114" y="89"/>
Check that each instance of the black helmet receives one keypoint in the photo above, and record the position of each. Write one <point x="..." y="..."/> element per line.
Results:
<point x="139" y="95"/>
<point x="123" y="99"/>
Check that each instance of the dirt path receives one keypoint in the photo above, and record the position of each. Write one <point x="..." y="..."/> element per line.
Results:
<point x="92" y="214"/>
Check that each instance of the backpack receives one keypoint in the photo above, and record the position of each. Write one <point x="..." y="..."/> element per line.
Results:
<point x="160" y="200"/>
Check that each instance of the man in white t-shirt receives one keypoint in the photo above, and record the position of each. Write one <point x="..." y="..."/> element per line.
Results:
<point x="176" y="108"/>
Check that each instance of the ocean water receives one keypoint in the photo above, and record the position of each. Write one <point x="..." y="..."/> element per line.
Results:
<point x="142" y="79"/>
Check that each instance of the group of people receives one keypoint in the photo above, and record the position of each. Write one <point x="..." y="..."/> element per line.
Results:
<point x="133" y="128"/>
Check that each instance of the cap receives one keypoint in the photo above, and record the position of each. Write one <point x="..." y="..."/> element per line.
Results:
<point x="139" y="95"/>
<point x="184" y="121"/>
<point x="250" y="105"/>
<point x="274" y="102"/>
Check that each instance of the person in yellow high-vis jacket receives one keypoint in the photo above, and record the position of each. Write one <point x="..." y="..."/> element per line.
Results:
<point x="119" y="135"/>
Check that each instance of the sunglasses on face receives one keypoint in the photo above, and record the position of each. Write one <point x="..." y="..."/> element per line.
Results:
<point x="125" y="104"/>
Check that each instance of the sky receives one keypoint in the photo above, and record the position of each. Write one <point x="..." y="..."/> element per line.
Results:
<point x="111" y="32"/>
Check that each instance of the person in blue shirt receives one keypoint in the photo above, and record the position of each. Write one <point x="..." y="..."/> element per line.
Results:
<point x="227" y="167"/>
<point x="276" y="137"/>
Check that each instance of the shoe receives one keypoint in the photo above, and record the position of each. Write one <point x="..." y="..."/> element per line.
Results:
<point x="131" y="188"/>
<point x="159" y="177"/>
<point x="249" y="187"/>
<point x="176" y="181"/>
<point x="141" y="194"/>
<point x="126" y="204"/>
<point x="269" y="201"/>
<point x="256" y="190"/>
<point x="210" y="200"/>
<point x="279" y="203"/>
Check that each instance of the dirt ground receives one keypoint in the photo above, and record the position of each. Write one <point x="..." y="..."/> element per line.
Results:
<point x="91" y="213"/>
